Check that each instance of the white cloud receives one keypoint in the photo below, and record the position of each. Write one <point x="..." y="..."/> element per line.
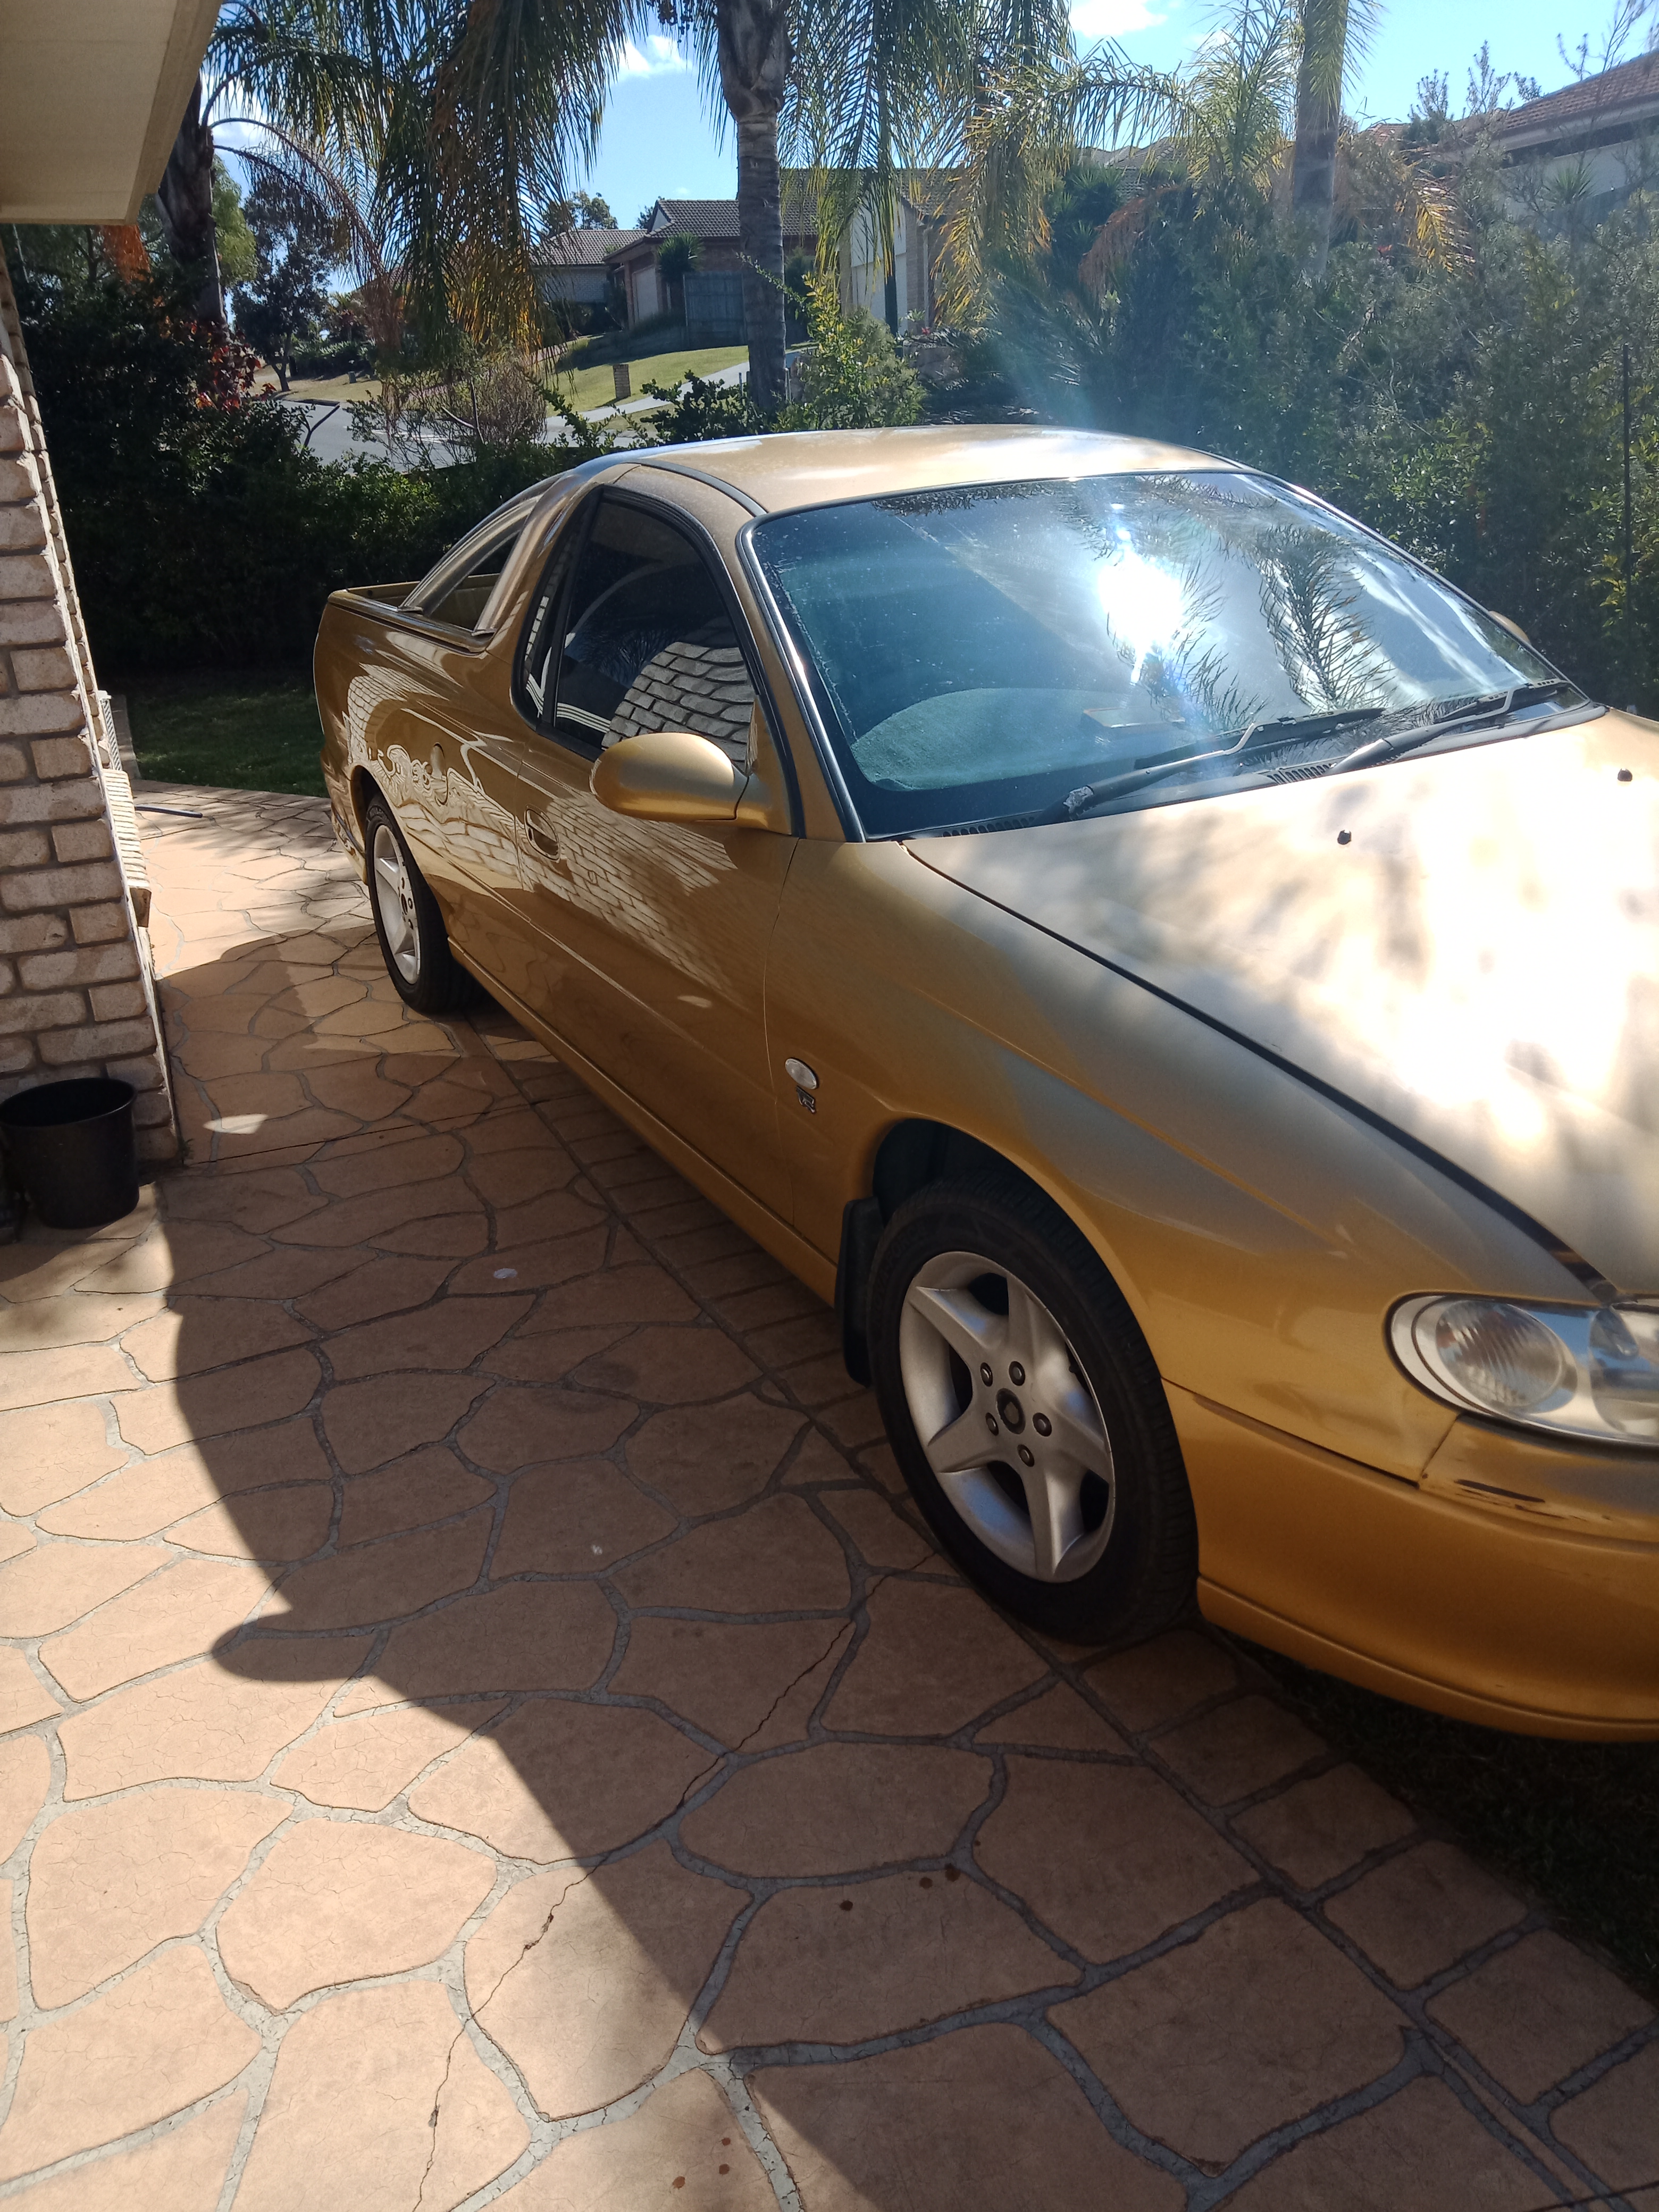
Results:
<point x="1113" y="19"/>
<point x="657" y="57"/>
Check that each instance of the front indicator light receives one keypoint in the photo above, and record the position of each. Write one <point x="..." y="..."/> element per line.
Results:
<point x="1503" y="1358"/>
<point x="1588" y="1371"/>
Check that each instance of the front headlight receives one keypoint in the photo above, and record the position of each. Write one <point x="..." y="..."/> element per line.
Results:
<point x="1575" y="1371"/>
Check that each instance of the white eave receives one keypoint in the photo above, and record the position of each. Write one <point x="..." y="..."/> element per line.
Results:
<point x="92" y="94"/>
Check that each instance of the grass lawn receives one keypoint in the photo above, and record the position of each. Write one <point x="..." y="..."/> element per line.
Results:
<point x="323" y="387"/>
<point x="255" y="731"/>
<point x="1576" y="1822"/>
<point x="595" y="387"/>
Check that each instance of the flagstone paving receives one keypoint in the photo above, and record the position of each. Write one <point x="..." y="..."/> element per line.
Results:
<point x="482" y="1724"/>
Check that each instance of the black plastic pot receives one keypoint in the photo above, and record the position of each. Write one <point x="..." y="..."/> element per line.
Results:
<point x="70" y="1146"/>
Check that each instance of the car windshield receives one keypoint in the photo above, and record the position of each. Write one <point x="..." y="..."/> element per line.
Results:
<point x="1006" y="651"/>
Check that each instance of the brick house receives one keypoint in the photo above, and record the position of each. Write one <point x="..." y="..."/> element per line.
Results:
<point x="91" y="100"/>
<point x="714" y="294"/>
<point x="576" y="267"/>
<point x="712" y="299"/>
<point x="917" y="242"/>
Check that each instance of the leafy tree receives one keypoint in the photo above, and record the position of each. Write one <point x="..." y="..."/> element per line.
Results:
<point x="580" y="212"/>
<point x="83" y="254"/>
<point x="204" y="533"/>
<point x="283" y="307"/>
<point x="235" y="245"/>
<point x="441" y="124"/>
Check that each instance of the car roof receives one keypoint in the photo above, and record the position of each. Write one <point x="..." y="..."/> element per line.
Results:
<point x="816" y="468"/>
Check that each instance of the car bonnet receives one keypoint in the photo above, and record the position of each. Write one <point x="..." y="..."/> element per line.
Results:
<point x="1465" y="945"/>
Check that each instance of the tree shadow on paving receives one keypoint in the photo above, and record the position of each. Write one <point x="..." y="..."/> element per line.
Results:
<point x="561" y="1572"/>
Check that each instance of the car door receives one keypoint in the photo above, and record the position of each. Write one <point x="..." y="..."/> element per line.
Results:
<point x="651" y="937"/>
<point x="451" y="770"/>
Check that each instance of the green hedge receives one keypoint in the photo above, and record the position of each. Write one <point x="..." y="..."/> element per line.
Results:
<point x="202" y="533"/>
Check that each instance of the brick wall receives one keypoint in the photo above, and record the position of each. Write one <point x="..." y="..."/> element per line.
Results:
<point x="76" y="993"/>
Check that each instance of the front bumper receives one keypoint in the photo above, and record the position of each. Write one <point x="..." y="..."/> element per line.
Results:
<point x="1516" y="1584"/>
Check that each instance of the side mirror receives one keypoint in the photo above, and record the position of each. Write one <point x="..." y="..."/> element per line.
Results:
<point x="673" y="775"/>
<point x="1513" y="627"/>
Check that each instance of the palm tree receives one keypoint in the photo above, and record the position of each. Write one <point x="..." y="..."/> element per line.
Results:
<point x="296" y="58"/>
<point x="745" y="48"/>
<point x="453" y="122"/>
<point x="890" y="85"/>
<point x="1028" y="128"/>
<point x="184" y="199"/>
<point x="860" y="68"/>
<point x="1334" y="34"/>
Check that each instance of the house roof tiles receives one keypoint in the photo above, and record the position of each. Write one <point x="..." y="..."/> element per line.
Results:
<point x="1608" y="97"/>
<point x="585" y="249"/>
<point x="716" y="220"/>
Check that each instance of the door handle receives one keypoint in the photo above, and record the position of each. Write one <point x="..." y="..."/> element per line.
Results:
<point x="541" y="836"/>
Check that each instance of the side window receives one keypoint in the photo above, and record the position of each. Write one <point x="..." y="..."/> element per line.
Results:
<point x="459" y="590"/>
<point x="647" y="642"/>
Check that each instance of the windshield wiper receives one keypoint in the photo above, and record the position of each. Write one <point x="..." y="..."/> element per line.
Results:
<point x="1256" y="738"/>
<point x="1493" y="707"/>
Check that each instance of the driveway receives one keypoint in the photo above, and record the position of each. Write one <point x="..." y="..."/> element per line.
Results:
<point x="486" y="1727"/>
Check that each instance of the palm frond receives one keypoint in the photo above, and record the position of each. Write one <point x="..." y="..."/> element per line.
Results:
<point x="345" y="194"/>
<point x="1027" y="132"/>
<point x="1239" y="94"/>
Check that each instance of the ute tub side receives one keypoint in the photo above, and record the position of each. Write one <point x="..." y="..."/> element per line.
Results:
<point x="336" y="659"/>
<point x="369" y="662"/>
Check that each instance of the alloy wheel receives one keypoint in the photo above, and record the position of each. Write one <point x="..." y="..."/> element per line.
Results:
<point x="1007" y="1417"/>
<point x="394" y="896"/>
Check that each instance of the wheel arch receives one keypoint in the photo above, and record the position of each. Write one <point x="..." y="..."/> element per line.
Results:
<point x="911" y="1154"/>
<point x="364" y="787"/>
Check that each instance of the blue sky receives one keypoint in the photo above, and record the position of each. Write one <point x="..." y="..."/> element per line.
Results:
<point x="658" y="140"/>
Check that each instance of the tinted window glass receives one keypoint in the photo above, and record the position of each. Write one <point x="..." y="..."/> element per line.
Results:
<point x="648" y="643"/>
<point x="988" y="651"/>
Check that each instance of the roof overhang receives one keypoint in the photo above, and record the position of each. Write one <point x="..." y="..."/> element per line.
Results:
<point x="92" y="94"/>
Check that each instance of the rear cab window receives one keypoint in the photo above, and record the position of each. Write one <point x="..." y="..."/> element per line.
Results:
<point x="458" y="591"/>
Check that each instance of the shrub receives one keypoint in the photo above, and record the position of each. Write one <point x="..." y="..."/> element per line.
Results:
<point x="203" y="531"/>
<point x="1467" y="403"/>
<point x="699" y="409"/>
<point x="854" y="376"/>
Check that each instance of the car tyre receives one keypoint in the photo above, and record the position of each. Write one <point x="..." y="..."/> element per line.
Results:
<point x="1036" y="1439"/>
<point x="414" y="943"/>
